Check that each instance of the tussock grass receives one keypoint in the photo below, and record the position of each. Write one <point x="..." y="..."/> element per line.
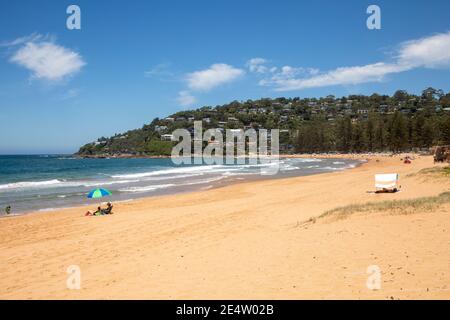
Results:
<point x="393" y="206"/>
<point x="436" y="171"/>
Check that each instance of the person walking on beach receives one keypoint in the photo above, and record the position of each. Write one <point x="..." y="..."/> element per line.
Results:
<point x="8" y="210"/>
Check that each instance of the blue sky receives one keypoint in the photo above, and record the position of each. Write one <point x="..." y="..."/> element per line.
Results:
<point x="134" y="61"/>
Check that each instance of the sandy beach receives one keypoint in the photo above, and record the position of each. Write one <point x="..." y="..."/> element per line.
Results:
<point x="252" y="240"/>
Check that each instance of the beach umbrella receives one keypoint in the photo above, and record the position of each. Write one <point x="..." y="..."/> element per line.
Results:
<point x="98" y="193"/>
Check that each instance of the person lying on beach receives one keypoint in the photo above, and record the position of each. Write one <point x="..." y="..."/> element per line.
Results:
<point x="385" y="190"/>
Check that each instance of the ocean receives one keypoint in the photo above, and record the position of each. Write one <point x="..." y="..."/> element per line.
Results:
<point x="48" y="182"/>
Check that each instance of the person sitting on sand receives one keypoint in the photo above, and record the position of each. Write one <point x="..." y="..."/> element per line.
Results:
<point x="108" y="210"/>
<point x="99" y="212"/>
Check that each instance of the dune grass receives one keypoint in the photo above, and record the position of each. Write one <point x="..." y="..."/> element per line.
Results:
<point x="437" y="171"/>
<point x="393" y="206"/>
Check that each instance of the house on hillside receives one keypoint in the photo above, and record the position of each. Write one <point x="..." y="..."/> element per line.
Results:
<point x="383" y="108"/>
<point x="160" y="129"/>
<point x="167" y="137"/>
<point x="363" y="111"/>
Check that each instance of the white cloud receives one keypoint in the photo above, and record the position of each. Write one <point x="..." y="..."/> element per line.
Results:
<point x="185" y="98"/>
<point x="340" y="76"/>
<point x="45" y="59"/>
<point x="161" y="70"/>
<point x="257" y="65"/>
<point x="288" y="72"/>
<point x="214" y="76"/>
<point x="30" y="38"/>
<point x="430" y="52"/>
<point x="70" y="94"/>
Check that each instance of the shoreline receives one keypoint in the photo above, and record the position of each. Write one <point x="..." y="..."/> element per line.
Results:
<point x="287" y="155"/>
<point x="220" y="184"/>
<point x="237" y="242"/>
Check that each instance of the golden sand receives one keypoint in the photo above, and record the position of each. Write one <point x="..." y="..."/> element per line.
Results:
<point x="242" y="241"/>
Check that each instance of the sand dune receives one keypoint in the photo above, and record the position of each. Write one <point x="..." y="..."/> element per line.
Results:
<point x="243" y="241"/>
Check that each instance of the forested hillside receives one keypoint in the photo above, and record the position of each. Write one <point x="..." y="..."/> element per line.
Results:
<point x="355" y="123"/>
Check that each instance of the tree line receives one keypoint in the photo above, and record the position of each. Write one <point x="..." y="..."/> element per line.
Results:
<point x="394" y="132"/>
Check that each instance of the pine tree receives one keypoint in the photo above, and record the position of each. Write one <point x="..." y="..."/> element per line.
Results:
<point x="445" y="131"/>
<point x="419" y="123"/>
<point x="397" y="132"/>
<point x="344" y="135"/>
<point x="380" y="135"/>
<point x="428" y="134"/>
<point x="370" y="133"/>
<point x="358" y="141"/>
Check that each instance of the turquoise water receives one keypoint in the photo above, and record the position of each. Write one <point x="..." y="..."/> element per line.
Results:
<point x="47" y="182"/>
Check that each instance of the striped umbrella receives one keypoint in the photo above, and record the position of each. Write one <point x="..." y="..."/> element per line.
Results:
<point x="98" y="193"/>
